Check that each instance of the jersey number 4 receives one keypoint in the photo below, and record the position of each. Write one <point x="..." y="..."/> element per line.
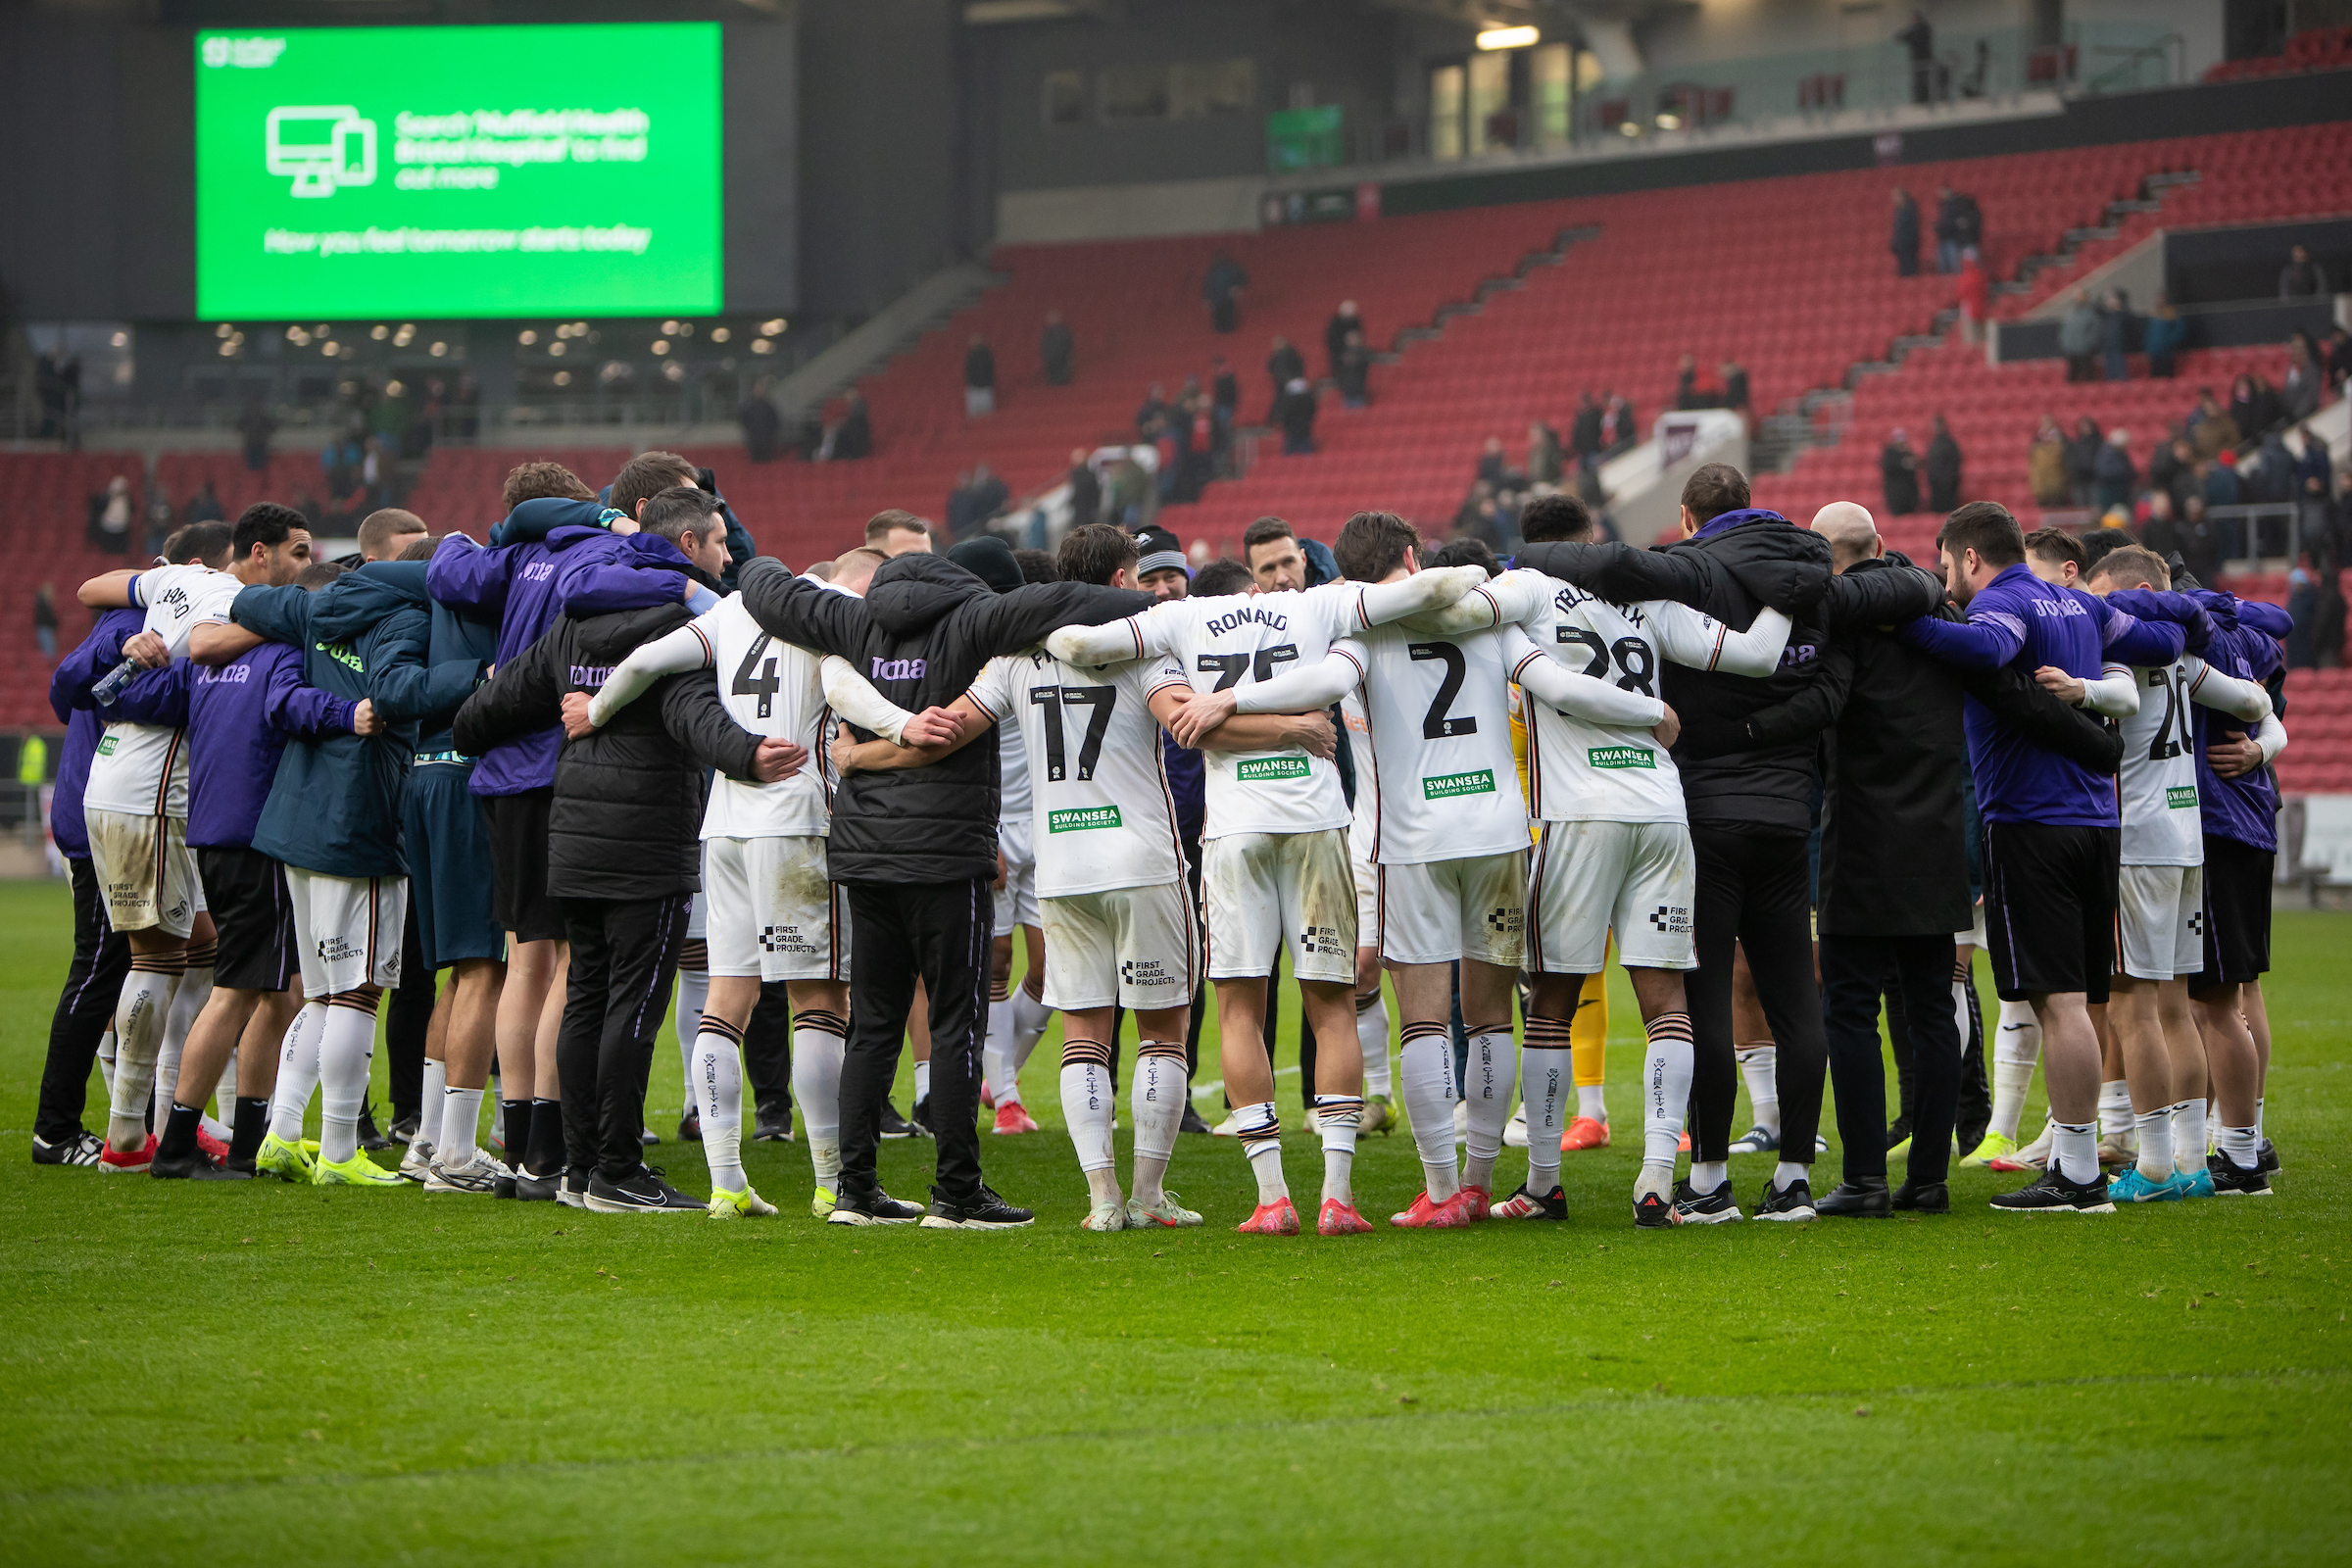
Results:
<point x="1053" y="698"/>
<point x="754" y="678"/>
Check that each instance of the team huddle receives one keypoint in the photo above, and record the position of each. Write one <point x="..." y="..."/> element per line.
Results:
<point x="1783" y="775"/>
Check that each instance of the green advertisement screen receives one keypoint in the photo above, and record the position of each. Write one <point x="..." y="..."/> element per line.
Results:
<point x="457" y="172"/>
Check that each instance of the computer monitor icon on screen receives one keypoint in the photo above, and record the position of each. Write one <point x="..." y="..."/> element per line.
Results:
<point x="322" y="149"/>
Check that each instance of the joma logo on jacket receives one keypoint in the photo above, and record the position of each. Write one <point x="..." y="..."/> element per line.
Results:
<point x="897" y="670"/>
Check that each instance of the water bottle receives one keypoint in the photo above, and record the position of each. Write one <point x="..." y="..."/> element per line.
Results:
<point x="110" y="686"/>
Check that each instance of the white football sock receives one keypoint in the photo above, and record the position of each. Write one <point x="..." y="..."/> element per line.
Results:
<point x="461" y="1121"/>
<point x="694" y="993"/>
<point x="996" y="1054"/>
<point x="431" y="1100"/>
<point x="2155" y="1130"/>
<point x="817" y="1053"/>
<point x="1087" y="1100"/>
<point x="139" y="1014"/>
<point x="718" y="1099"/>
<point x="1706" y="1175"/>
<point x="922" y="1082"/>
<point x="188" y="998"/>
<point x="1372" y="1039"/>
<point x="297" y="1072"/>
<point x="1029" y="1019"/>
<point x="168" y="1046"/>
<point x="1259" y="1130"/>
<point x="2115" y="1108"/>
<point x="1339" y="1116"/>
<point x="346" y="1048"/>
<point x="2241" y="1147"/>
<point x="1425" y="1066"/>
<point x="2016" y="1047"/>
<point x="1545" y="1070"/>
<point x="106" y="1059"/>
<point x="1759" y="1070"/>
<point x="1593" y="1100"/>
<point x="1491" y="1074"/>
<point x="2074" y="1150"/>
<point x="1787" y="1171"/>
<point x="1158" y="1093"/>
<point x="2258" y="1109"/>
<point x="1666" y="1071"/>
<point x="2187" y="1138"/>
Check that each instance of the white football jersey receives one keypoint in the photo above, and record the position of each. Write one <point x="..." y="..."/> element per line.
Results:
<point x="1012" y="775"/>
<point x="1446" y="785"/>
<point x="1580" y="771"/>
<point x="143" y="768"/>
<point x="2158" y="785"/>
<point x="179" y="599"/>
<point x="769" y="687"/>
<point x="1367" y="774"/>
<point x="1101" y="813"/>
<point x="1221" y="643"/>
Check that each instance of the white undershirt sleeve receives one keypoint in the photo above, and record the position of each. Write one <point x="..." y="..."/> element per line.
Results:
<point x="1309" y="689"/>
<point x="2240" y="699"/>
<point x="2114" y="694"/>
<point x="672" y="654"/>
<point x="1596" y="702"/>
<point x="852" y="697"/>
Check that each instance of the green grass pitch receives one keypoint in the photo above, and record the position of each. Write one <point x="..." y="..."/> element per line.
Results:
<point x="258" y="1372"/>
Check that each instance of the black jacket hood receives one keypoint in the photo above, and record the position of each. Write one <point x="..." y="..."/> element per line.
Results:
<point x="913" y="592"/>
<point x="1777" y="561"/>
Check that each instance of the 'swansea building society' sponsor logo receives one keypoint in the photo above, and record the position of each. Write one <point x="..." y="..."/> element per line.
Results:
<point x="1078" y="819"/>
<point x="1448" y="785"/>
<point x="1622" y="756"/>
<point x="1263" y="767"/>
<point x="2182" y="797"/>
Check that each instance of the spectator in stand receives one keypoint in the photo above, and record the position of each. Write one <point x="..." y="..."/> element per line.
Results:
<point x="1054" y="349"/>
<point x="2197" y="540"/>
<point x="2250" y="407"/>
<point x="1283" y="365"/>
<point x="984" y="499"/>
<point x="2116" y="326"/>
<point x="1736" y="393"/>
<point x="1543" y="464"/>
<point x="2078" y="336"/>
<point x="853" y="437"/>
<point x="1152" y="410"/>
<point x="1918" y="41"/>
<point x="1294" y="411"/>
<point x="2160" y="531"/>
<point x="1904" y="240"/>
<point x="1975" y="297"/>
<point x="2339" y="359"/>
<point x="1618" y="427"/>
<point x="2164" y="465"/>
<point x="2211" y="430"/>
<point x="162" y="520"/>
<point x="2300" y="399"/>
<point x="2303" y="609"/>
<point x="44" y="620"/>
<point x="1944" y="468"/>
<point x="2301" y="278"/>
<point x="1957" y="225"/>
<point x="1899" y="468"/>
<point x="1352" y="371"/>
<point x="2222" y="485"/>
<point x="1222" y="288"/>
<point x="205" y="506"/>
<point x="255" y="428"/>
<point x="2114" y="472"/>
<point x="979" y="379"/>
<point x="2311" y="483"/>
<point x="2083" y="461"/>
<point x="1344" y="320"/>
<point x="1686" y="383"/>
<point x="1493" y="467"/>
<point x="762" y="424"/>
<point x="110" y="514"/>
<point x="2045" y="464"/>
<point x="1086" y="490"/>
<point x="2162" y="338"/>
<point x="1224" y="388"/>
<point x="1583" y="432"/>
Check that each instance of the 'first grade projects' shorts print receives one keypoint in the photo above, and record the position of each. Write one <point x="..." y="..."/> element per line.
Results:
<point x="1262" y="889"/>
<point x="1638" y="879"/>
<point x="145" y="873"/>
<point x="772" y="913"/>
<point x="1436" y="912"/>
<point x="1137" y="947"/>
<point x="347" y="930"/>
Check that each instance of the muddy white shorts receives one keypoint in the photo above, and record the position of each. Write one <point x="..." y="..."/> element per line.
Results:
<point x="1262" y="889"/>
<point x="2159" y="921"/>
<point x="1137" y="947"/>
<point x="145" y="873"/>
<point x="1367" y="897"/>
<point x="1636" y="878"/>
<point x="1440" y="911"/>
<point x="1017" y="899"/>
<point x="772" y="912"/>
<point x="347" y="929"/>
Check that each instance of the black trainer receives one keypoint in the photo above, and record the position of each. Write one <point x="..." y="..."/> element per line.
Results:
<point x="1718" y="1207"/>
<point x="2052" y="1194"/>
<point x="193" y="1166"/>
<point x="506" y="1183"/>
<point x="2266" y="1158"/>
<point x="405" y="1130"/>
<point x="530" y="1188"/>
<point x="2232" y="1180"/>
<point x="370" y="1138"/>
<point x="82" y="1148"/>
<point x="1923" y="1197"/>
<point x="1654" y="1214"/>
<point x="876" y="1207"/>
<point x="895" y="1125"/>
<point x="1793" y="1201"/>
<point x="1192" y="1121"/>
<point x="773" y="1124"/>
<point x="984" y="1212"/>
<point x="1862" y="1196"/>
<point x="647" y="1137"/>
<point x="690" y="1127"/>
<point x="642" y="1192"/>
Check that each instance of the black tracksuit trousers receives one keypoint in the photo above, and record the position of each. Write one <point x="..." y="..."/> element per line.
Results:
<point x="408" y="1019"/>
<point x="1855" y="971"/>
<point x="85" y="1008"/>
<point x="624" y="957"/>
<point x="1755" y="889"/>
<point x="939" y="932"/>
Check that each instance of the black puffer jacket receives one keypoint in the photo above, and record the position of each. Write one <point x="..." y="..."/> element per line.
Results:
<point x="920" y="635"/>
<point x="1734" y="567"/>
<point x="627" y="815"/>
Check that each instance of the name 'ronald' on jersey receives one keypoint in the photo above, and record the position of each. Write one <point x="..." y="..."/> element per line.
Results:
<point x="1578" y="771"/>
<point x="2157" y="788"/>
<point x="769" y="688"/>
<point x="1447" y="784"/>
<point x="1100" y="807"/>
<point x="1221" y="643"/>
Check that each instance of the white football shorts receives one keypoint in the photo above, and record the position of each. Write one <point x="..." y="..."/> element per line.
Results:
<point x="1262" y="889"/>
<point x="1441" y="910"/>
<point x="2160" y="921"/>
<point x="1589" y="878"/>
<point x="347" y="929"/>
<point x="146" y="873"/>
<point x="1137" y="947"/>
<point x="772" y="912"/>
<point x="1017" y="899"/>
